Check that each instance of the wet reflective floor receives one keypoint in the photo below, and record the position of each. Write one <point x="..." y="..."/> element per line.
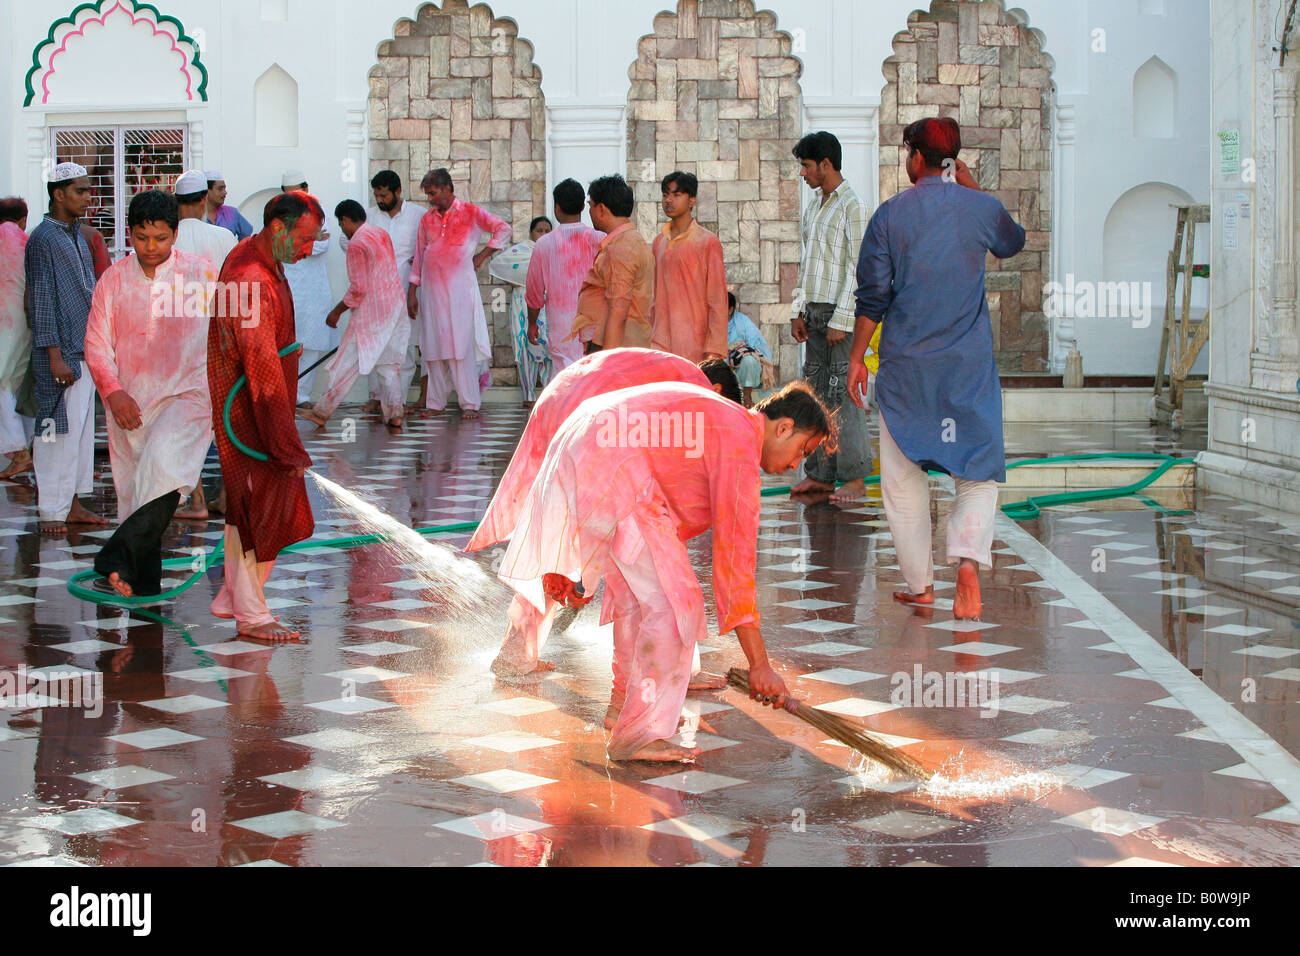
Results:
<point x="1130" y="697"/>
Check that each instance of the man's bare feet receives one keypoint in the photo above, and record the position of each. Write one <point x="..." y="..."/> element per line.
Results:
<point x="706" y="681"/>
<point x="306" y="404"/>
<point x="370" y="407"/>
<point x="469" y="414"/>
<point x="907" y="597"/>
<point x="850" y="491"/>
<point x="661" y="751"/>
<point x="78" y="514"/>
<point x="966" y="605"/>
<point x="274" y="631"/>
<point x="196" y="509"/>
<point x="19" y="464"/>
<point x="52" y="528"/>
<point x="810" y="487"/>
<point x="312" y="415"/>
<point x="395" y="422"/>
<point x="503" y="669"/>
<point x="120" y="586"/>
<point x="220" y="506"/>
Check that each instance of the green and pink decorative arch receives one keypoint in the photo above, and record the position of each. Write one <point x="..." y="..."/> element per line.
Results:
<point x="52" y="53"/>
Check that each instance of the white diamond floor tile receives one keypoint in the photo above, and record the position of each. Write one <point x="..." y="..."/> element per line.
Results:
<point x="286" y="823"/>
<point x="907" y="823"/>
<point x="1110" y="820"/>
<point x="155" y="738"/>
<point x="186" y="704"/>
<point x="695" y="781"/>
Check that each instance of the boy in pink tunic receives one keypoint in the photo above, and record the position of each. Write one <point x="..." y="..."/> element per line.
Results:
<point x="629" y="477"/>
<point x="444" y="292"/>
<point x="147" y="350"/>
<point x="690" y="313"/>
<point x="596" y="374"/>
<point x="561" y="260"/>
<point x="379" y="330"/>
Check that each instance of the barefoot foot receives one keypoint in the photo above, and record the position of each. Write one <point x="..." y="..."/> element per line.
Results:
<point x="274" y="632"/>
<point x="120" y="586"/>
<point x="810" y="487"/>
<point x="661" y="751"/>
<point x="78" y="514"/>
<point x="503" y="669"/>
<point x="850" y="491"/>
<point x="52" y="528"/>
<point x="469" y="414"/>
<point x="312" y="415"/>
<point x="370" y="407"/>
<point x="966" y="605"/>
<point x="907" y="597"/>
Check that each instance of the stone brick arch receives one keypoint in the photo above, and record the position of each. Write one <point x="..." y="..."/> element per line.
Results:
<point x="715" y="92"/>
<point x="457" y="87"/>
<point x="982" y="65"/>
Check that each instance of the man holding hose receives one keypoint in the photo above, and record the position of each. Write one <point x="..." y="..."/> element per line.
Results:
<point x="266" y="501"/>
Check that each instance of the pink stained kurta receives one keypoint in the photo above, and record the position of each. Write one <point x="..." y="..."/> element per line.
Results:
<point x="561" y="260"/>
<point x="604" y="488"/>
<point x="149" y="338"/>
<point x="690" y="314"/>
<point x="452" y="325"/>
<point x="596" y="374"/>
<point x="15" y="336"/>
<point x="379" y="323"/>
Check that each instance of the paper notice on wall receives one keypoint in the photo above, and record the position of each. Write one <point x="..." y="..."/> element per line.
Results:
<point x="1230" y="223"/>
<point x="1229" y="152"/>
<point x="1243" y="200"/>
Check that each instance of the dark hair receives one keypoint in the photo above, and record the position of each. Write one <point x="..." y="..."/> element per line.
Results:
<point x="798" y="402"/>
<point x="731" y="300"/>
<point x="213" y="182"/>
<point x="290" y="207"/>
<point x="188" y="199"/>
<point x="296" y="187"/>
<point x="936" y="138"/>
<point x="818" y="146"/>
<point x="569" y="197"/>
<point x="613" y="193"/>
<point x="350" y="209"/>
<point x="61" y="184"/>
<point x="685" y="183"/>
<point x="386" y="179"/>
<point x="152" y="205"/>
<point x="12" y="209"/>
<point x="536" y="219"/>
<point x="719" y="372"/>
<point x="437" y="177"/>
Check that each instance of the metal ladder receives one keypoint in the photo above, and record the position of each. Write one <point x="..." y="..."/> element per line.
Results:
<point x="1181" y="339"/>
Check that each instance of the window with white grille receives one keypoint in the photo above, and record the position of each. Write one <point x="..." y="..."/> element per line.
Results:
<point x="121" y="161"/>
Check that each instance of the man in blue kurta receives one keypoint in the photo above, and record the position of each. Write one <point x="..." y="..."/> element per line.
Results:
<point x="921" y="273"/>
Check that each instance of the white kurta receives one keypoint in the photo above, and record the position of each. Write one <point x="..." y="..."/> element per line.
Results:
<point x="402" y="230"/>
<point x="149" y="338"/>
<point x="205" y="240"/>
<point x="452" y="324"/>
<point x="15" y="336"/>
<point x="310" y="283"/>
<point x="379" y="322"/>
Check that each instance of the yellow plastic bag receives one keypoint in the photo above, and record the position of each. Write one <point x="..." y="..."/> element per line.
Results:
<point x="872" y="358"/>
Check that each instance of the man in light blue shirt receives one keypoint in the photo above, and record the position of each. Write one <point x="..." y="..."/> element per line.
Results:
<point x="745" y="344"/>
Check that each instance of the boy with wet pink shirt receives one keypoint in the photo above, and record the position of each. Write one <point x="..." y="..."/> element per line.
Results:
<point x="561" y="260"/>
<point x="690" y="312"/>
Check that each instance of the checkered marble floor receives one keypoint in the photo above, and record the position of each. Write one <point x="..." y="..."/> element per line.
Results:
<point x="1132" y="699"/>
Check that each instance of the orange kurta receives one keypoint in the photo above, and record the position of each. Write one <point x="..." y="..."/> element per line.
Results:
<point x="623" y="271"/>
<point x="690" y="307"/>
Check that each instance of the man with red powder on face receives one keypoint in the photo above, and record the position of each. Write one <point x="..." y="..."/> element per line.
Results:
<point x="266" y="501"/>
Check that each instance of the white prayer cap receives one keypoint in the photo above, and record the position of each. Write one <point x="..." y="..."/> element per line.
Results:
<point x="213" y="175"/>
<point x="292" y="177"/>
<point x="66" y="171"/>
<point x="191" y="181"/>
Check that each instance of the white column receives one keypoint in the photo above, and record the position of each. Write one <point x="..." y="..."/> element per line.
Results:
<point x="1062" y="254"/>
<point x="585" y="139"/>
<point x="356" y="145"/>
<point x="1276" y="370"/>
<point x="854" y="124"/>
<point x="40" y="165"/>
<point x="194" y="139"/>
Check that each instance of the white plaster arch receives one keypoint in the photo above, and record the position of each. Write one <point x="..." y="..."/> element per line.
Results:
<point x="275" y="108"/>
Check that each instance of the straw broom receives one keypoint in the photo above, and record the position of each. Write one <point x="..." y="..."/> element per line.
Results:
<point x="843" y="730"/>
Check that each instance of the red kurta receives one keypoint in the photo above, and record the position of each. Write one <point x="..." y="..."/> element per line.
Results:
<point x="264" y="499"/>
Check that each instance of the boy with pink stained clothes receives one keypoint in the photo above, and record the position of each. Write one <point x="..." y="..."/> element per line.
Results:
<point x="561" y="260"/>
<point x="595" y="374"/>
<point x="627" y="480"/>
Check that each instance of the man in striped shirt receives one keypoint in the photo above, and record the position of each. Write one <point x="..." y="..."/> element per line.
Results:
<point x="823" y="313"/>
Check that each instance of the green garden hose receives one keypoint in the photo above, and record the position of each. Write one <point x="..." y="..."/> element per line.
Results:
<point x="230" y="400"/>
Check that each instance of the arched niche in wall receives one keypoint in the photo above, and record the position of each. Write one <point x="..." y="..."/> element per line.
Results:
<point x="986" y="68"/>
<point x="1154" y="86"/>
<point x="275" y="108"/>
<point x="1138" y="236"/>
